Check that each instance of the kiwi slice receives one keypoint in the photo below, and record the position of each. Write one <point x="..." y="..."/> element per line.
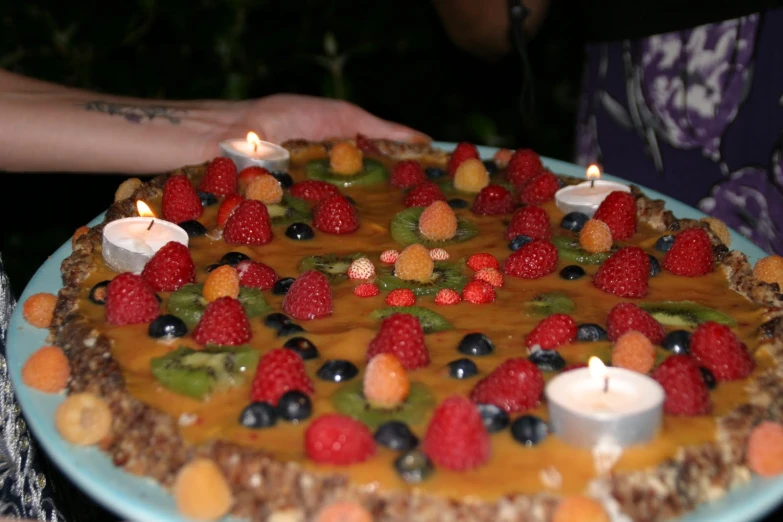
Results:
<point x="188" y="304"/>
<point x="685" y="313"/>
<point x="568" y="248"/>
<point x="289" y="210"/>
<point x="405" y="229"/>
<point x="198" y="373"/>
<point x="546" y="304"/>
<point x="445" y="275"/>
<point x="350" y="401"/>
<point x="430" y="321"/>
<point x="373" y="172"/>
<point x="333" y="266"/>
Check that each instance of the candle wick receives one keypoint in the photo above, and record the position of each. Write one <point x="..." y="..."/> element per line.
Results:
<point x="592" y="183"/>
<point x="606" y="384"/>
<point x="255" y="147"/>
<point x="151" y="223"/>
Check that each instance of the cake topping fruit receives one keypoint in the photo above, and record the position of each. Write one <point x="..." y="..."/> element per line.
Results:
<point x="361" y="268"/>
<point x="457" y="203"/>
<point x="248" y="174"/>
<point x="401" y="297"/>
<point x="220" y="177"/>
<point x="222" y="282"/>
<point x="279" y="371"/>
<point x="574" y="221"/>
<point x="282" y="285"/>
<point x="633" y="351"/>
<point x="344" y="512"/>
<point x="530" y="221"/>
<point x="677" y="342"/>
<point x="717" y="348"/>
<point x="595" y="236"/>
<point x="224" y="323"/>
<point x="407" y="174"/>
<point x="83" y="419"/>
<point x="386" y="384"/>
<point x="591" y="332"/>
<point x="389" y="256"/>
<point x="253" y="274"/>
<point x="444" y="275"/>
<point x="130" y="300"/>
<point x="258" y="415"/>
<point x="337" y="370"/>
<point x="709" y="378"/>
<point x="491" y="276"/>
<point x="691" y="254"/>
<point x="201" y="491"/>
<point x="476" y="344"/>
<point x="581" y="508"/>
<point x="423" y="194"/>
<point x="414" y="264"/>
<point x="434" y="172"/>
<point x="569" y="249"/>
<point x="339" y="440"/>
<point x="302" y="346"/>
<point x="188" y="303"/>
<point x="180" y="201"/>
<point x="518" y="242"/>
<point x="456" y="438"/>
<point x="547" y="360"/>
<point x="439" y="254"/>
<point x="345" y="159"/>
<point x="770" y="270"/>
<point x="625" y="273"/>
<point x="624" y="317"/>
<point x="536" y="259"/>
<point x="478" y="292"/>
<point x="664" y="243"/>
<point x="550" y="303"/>
<point x="686" y="392"/>
<point x="462" y="368"/>
<point x="401" y="335"/>
<point x="167" y="327"/>
<point x="97" y="293"/>
<point x="446" y="297"/>
<point x="170" y="268"/>
<point x="309" y="297"/>
<point x="299" y="232"/>
<point x="334" y="266"/>
<point x="193" y="228"/>
<point x="335" y="215"/>
<point x="764" y="452"/>
<point x="366" y="290"/>
<point x="405" y="229"/>
<point x="685" y="313"/>
<point x="438" y="222"/>
<point x="482" y="260"/>
<point x="530" y="430"/>
<point x="396" y="436"/>
<point x="413" y="466"/>
<point x="618" y="211"/>
<point x="265" y="189"/>
<point x="523" y="166"/>
<point x="471" y="176"/>
<point x="314" y="191"/>
<point x="494" y="418"/>
<point x="294" y="406"/>
<point x="462" y="152"/>
<point x="493" y="200"/>
<point x="227" y="207"/>
<point x="554" y="331"/>
<point x="47" y="370"/>
<point x="655" y="265"/>
<point x="38" y="309"/>
<point x="248" y="224"/>
<point x="515" y="385"/>
<point x="430" y="321"/>
<point x="572" y="272"/>
<point x="540" y="189"/>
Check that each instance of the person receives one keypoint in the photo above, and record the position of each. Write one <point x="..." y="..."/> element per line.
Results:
<point x="686" y="101"/>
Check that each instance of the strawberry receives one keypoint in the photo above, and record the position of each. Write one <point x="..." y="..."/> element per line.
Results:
<point x="224" y="322"/>
<point x="530" y="221"/>
<point x="253" y="274"/>
<point x="523" y="166"/>
<point x="227" y="207"/>
<point x="533" y="260"/>
<point x="335" y="215"/>
<point x="493" y="200"/>
<point x="249" y="224"/>
<point x="516" y="386"/>
<point x="462" y="152"/>
<point x="407" y="174"/>
<point x="390" y="256"/>
<point x="625" y="273"/>
<point x="686" y="392"/>
<point x="279" y="371"/>
<point x="180" y="200"/>
<point x="423" y="195"/>
<point x="446" y="297"/>
<point x="309" y="297"/>
<point x="439" y="254"/>
<point x="170" y="268"/>
<point x="401" y="297"/>
<point x="313" y="191"/>
<point x="361" y="268"/>
<point x="401" y="335"/>
<point x="618" y="211"/>
<point x="366" y="290"/>
<point x="715" y="347"/>
<point x="491" y="276"/>
<point x="555" y="330"/>
<point x="691" y="254"/>
<point x="339" y="440"/>
<point x="624" y="317"/>
<point x="130" y="300"/>
<point x="248" y="174"/>
<point x="479" y="292"/>
<point x="366" y="145"/>
<point x="220" y="177"/>
<point x="456" y="437"/>
<point x="540" y="189"/>
<point x="482" y="260"/>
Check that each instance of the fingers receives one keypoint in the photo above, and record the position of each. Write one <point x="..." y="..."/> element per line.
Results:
<point x="384" y="129"/>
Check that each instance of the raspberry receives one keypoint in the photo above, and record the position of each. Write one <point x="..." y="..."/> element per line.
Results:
<point x="493" y="200"/>
<point x="633" y="351"/>
<point x="279" y="371"/>
<point x="221" y="282"/>
<point x="530" y="221"/>
<point x="401" y="335"/>
<point x="180" y="201"/>
<point x="335" y="215"/>
<point x="253" y="274"/>
<point x="227" y="207"/>
<point x="491" y="276"/>
<point x="718" y="228"/>
<point x="540" y="189"/>
<point x="248" y="174"/>
<point x="407" y="174"/>
<point x="78" y="234"/>
<point x="516" y="386"/>
<point x="463" y="151"/>
<point x="346" y="159"/>
<point x="478" y="292"/>
<point x="386" y="384"/>
<point x="624" y="317"/>
<point x="366" y="145"/>
<point x="715" y="347"/>
<point x="361" y="268"/>
<point x="390" y="256"/>
<point x="423" y="195"/>
<point x="523" y="165"/>
<point x="47" y="370"/>
<point x="447" y="296"/>
<point x="314" y="191"/>
<point x="686" y="392"/>
<point x="220" y="177"/>
<point x="535" y="259"/>
<point x="201" y="491"/>
<point x="438" y="222"/>
<point x="265" y="189"/>
<point x="502" y="157"/>
<point x="366" y="290"/>
<point x="770" y="270"/>
<point x="401" y="297"/>
<point x="249" y="224"/>
<point x="170" y="268"/>
<point x="580" y="508"/>
<point x="554" y="331"/>
<point x="595" y="236"/>
<point x="764" y="453"/>
<point x="456" y="438"/>
<point x="618" y="211"/>
<point x="414" y="264"/>
<point x="224" y="322"/>
<point x="38" y="309"/>
<point x="690" y="255"/>
<point x="309" y="297"/>
<point x="471" y="176"/>
<point x="625" y="273"/>
<point x="439" y="254"/>
<point x="339" y="440"/>
<point x="482" y="260"/>
<point x="130" y="300"/>
<point x="83" y="419"/>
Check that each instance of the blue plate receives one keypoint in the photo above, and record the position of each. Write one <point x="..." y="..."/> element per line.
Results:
<point x="142" y="500"/>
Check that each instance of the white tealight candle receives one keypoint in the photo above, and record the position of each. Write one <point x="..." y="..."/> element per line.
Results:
<point x="586" y="197"/>
<point x="252" y="151"/>
<point x="590" y="405"/>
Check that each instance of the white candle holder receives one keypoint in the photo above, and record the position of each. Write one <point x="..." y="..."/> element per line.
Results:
<point x="247" y="153"/>
<point x="130" y="242"/>
<point x="586" y="197"/>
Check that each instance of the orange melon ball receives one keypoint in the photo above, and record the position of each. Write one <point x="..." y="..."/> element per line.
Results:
<point x="47" y="370"/>
<point x="38" y="310"/>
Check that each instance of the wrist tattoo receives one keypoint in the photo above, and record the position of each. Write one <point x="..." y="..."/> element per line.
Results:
<point x="134" y="113"/>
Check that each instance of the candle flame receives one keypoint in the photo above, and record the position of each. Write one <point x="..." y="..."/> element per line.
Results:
<point x="253" y="139"/>
<point x="593" y="172"/>
<point x="597" y="368"/>
<point x="143" y="209"/>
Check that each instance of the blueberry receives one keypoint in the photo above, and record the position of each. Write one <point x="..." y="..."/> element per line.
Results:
<point x="207" y="198"/>
<point x="350" y="200"/>
<point x="396" y="436"/>
<point x="590" y="332"/>
<point x="655" y="266"/>
<point x="300" y="231"/>
<point x="337" y="370"/>
<point x="664" y="243"/>
<point x="193" y="228"/>
<point x="529" y="430"/>
<point x="282" y="285"/>
<point x="294" y="406"/>
<point x="159" y="298"/>
<point x="413" y="466"/>
<point x="458" y="203"/>
<point x="547" y="360"/>
<point x="462" y="368"/>
<point x="167" y="326"/>
<point x="284" y="178"/>
<point x="303" y="347"/>
<point x="289" y="329"/>
<point x="709" y="377"/>
<point x="434" y="172"/>
<point x="491" y="166"/>
<point x="678" y="342"/>
<point x="277" y="320"/>
<point x="494" y="417"/>
<point x="518" y="242"/>
<point x="574" y="221"/>
<point x="572" y="272"/>
<point x="476" y="344"/>
<point x="98" y="292"/>
<point x="258" y="415"/>
<point x="213" y="266"/>
<point x="233" y="258"/>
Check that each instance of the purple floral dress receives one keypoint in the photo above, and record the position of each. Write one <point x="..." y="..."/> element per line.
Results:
<point x="697" y="115"/>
